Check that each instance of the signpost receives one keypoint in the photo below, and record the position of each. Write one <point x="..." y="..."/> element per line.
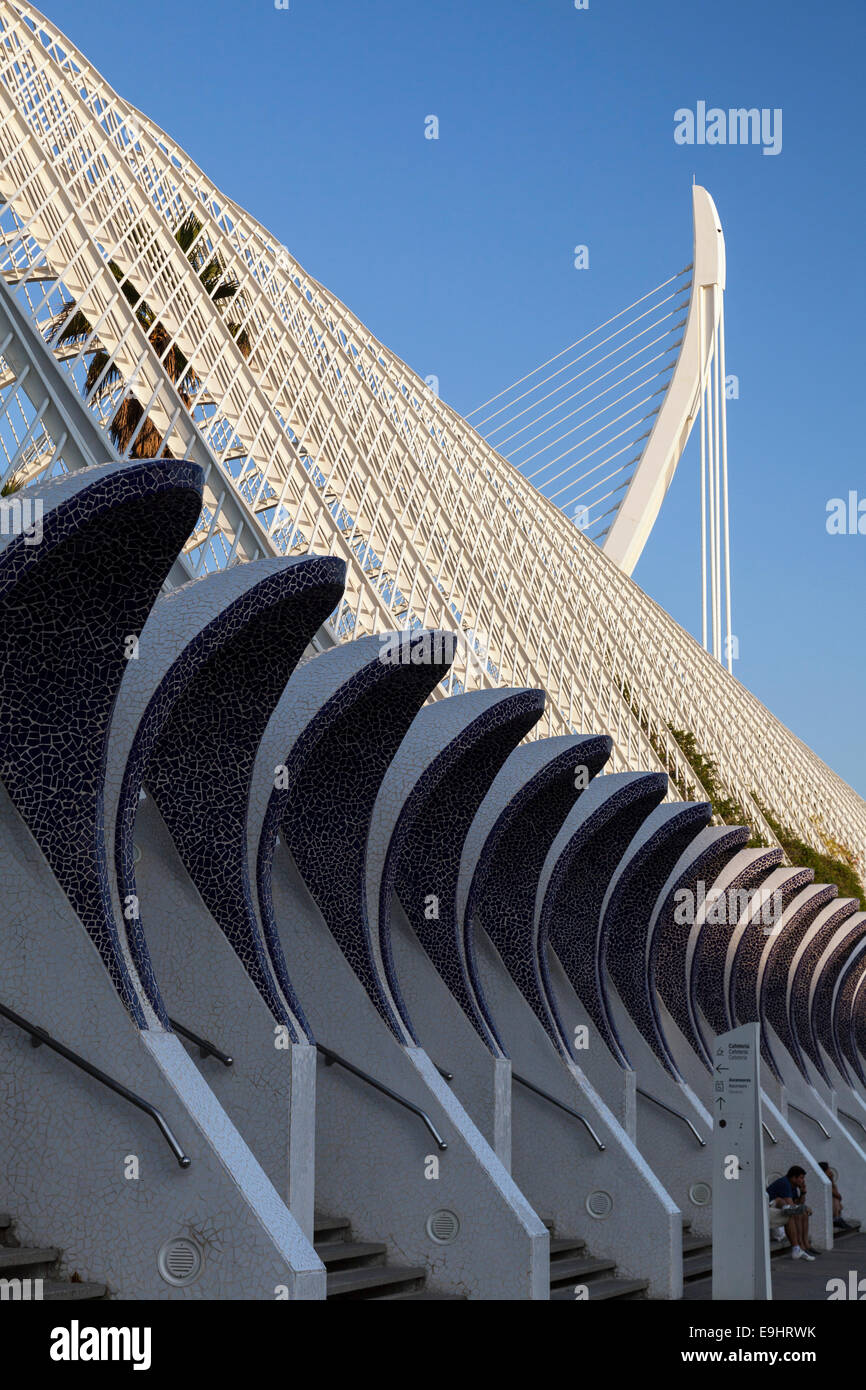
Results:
<point x="741" y="1238"/>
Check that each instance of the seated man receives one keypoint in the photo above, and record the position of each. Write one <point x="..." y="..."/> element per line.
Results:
<point x="784" y="1194"/>
<point x="838" y="1220"/>
<point x="799" y="1186"/>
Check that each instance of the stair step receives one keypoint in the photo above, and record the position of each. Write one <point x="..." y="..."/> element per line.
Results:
<point x="604" y="1289"/>
<point x="697" y="1267"/>
<point x="24" y="1257"/>
<point x="692" y="1244"/>
<point x="327" y="1228"/>
<point x="364" y="1281"/>
<point x="578" y="1270"/>
<point x="687" y="1225"/>
<point x="57" y="1291"/>
<point x="5" y="1220"/>
<point x="347" y="1252"/>
<point x="560" y="1245"/>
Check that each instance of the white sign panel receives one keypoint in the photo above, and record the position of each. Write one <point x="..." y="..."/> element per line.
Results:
<point x="741" y="1238"/>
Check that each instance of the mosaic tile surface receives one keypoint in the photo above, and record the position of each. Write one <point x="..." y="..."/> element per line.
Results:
<point x="849" y="1000"/>
<point x="802" y="969"/>
<point x="69" y="604"/>
<point x="574" y="880"/>
<point x="197" y="739"/>
<point x="670" y="937"/>
<point x="713" y="941"/>
<point x="628" y="911"/>
<point x="771" y="976"/>
<point x="451" y="754"/>
<point x="504" y="854"/>
<point x="837" y="952"/>
<point x="749" y="943"/>
<point x="345" y="714"/>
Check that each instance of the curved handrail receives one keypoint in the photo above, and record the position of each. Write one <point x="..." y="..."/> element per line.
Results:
<point x="815" y="1121"/>
<point x="671" y="1111"/>
<point x="849" y="1116"/>
<point x="334" y="1059"/>
<point x="39" y="1037"/>
<point x="206" y="1049"/>
<point x="575" y="1114"/>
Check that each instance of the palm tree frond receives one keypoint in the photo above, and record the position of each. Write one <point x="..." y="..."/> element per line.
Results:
<point x="188" y="231"/>
<point x="14" y="483"/>
<point x="78" y="329"/>
<point x="94" y="372"/>
<point x="241" y="337"/>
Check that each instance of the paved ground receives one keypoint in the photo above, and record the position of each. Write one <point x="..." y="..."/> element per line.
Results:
<point x="801" y="1281"/>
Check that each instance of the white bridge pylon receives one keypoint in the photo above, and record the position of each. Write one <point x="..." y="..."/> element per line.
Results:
<point x="601" y="433"/>
<point x="697" y="388"/>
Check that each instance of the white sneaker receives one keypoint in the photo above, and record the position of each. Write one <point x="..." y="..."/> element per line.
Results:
<point x="800" y="1254"/>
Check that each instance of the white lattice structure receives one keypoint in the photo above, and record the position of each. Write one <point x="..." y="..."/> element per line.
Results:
<point x="314" y="436"/>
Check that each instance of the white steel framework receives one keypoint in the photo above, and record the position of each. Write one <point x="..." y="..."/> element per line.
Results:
<point x="131" y="284"/>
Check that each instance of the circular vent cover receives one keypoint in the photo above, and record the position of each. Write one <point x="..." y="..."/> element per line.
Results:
<point x="700" y="1193"/>
<point x="443" y="1226"/>
<point x="599" y="1204"/>
<point x="179" y="1261"/>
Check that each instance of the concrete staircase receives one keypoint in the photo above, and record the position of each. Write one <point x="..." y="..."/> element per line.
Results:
<point x="26" y="1264"/>
<point x="571" y="1265"/>
<point x="697" y="1255"/>
<point x="357" y="1269"/>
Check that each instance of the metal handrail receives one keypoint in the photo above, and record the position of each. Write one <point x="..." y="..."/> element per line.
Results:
<point x="39" y="1037"/>
<point x="447" y="1075"/>
<point x="824" y="1131"/>
<point x="849" y="1116"/>
<point x="680" y="1116"/>
<point x="770" y="1135"/>
<point x="206" y="1049"/>
<point x="334" y="1059"/>
<point x="575" y="1114"/>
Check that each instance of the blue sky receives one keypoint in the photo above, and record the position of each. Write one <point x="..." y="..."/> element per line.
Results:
<point x="556" y="128"/>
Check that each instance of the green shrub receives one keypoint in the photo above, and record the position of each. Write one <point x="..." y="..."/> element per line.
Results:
<point x="840" y="868"/>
